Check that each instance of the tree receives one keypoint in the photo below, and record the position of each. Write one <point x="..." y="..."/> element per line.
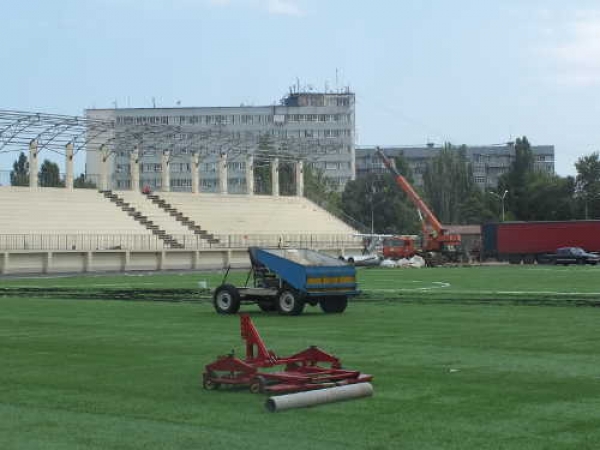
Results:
<point x="321" y="190"/>
<point x="50" y="175"/>
<point x="517" y="179"/>
<point x="450" y="189"/>
<point x="376" y="201"/>
<point x="588" y="184"/>
<point x="262" y="166"/>
<point x="287" y="178"/>
<point x="81" y="183"/>
<point x="550" y="197"/>
<point x="19" y="176"/>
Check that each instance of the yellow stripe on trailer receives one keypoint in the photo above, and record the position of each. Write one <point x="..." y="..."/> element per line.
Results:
<point x="329" y="280"/>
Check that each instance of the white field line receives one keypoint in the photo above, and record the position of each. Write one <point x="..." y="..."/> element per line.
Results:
<point x="487" y="292"/>
<point x="436" y="285"/>
<point x="85" y="285"/>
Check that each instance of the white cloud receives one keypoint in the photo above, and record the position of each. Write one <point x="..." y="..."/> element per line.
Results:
<point x="275" y="7"/>
<point x="284" y="7"/>
<point x="573" y="48"/>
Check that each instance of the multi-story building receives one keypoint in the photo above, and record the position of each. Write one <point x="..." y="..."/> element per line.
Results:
<point x="488" y="162"/>
<point x="317" y="128"/>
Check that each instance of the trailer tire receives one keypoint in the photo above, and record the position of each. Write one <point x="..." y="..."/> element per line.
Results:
<point x="290" y="303"/>
<point x="334" y="305"/>
<point x="226" y="299"/>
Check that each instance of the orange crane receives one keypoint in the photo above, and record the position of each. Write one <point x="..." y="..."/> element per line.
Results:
<point x="436" y="240"/>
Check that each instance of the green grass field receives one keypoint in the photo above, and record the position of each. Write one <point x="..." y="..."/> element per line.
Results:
<point x="459" y="363"/>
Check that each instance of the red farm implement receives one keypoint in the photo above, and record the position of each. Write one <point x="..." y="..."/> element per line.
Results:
<point x="307" y="370"/>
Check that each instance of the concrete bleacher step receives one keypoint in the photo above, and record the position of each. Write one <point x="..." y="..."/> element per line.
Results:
<point x="184" y="220"/>
<point x="142" y="219"/>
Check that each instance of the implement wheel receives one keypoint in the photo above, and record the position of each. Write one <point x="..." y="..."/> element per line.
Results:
<point x="334" y="305"/>
<point x="226" y="299"/>
<point x="257" y="386"/>
<point x="208" y="383"/>
<point x="290" y="303"/>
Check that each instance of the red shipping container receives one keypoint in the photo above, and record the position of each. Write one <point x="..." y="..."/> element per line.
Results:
<point x="545" y="237"/>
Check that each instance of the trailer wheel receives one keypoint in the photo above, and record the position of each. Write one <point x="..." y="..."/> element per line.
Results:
<point x="226" y="299"/>
<point x="290" y="303"/>
<point x="333" y="305"/>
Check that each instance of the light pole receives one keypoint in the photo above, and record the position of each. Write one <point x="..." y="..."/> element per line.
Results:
<point x="501" y="199"/>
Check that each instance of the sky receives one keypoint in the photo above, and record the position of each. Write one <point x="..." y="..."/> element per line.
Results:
<point x="459" y="71"/>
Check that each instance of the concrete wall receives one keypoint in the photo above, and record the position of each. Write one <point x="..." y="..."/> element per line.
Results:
<point x="42" y="262"/>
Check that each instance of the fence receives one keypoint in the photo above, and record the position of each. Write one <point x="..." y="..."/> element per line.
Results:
<point x="99" y="242"/>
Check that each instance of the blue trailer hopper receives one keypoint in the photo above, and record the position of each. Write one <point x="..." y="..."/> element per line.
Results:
<point x="310" y="272"/>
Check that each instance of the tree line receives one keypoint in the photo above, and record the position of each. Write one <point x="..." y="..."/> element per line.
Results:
<point x="449" y="189"/>
<point x="48" y="175"/>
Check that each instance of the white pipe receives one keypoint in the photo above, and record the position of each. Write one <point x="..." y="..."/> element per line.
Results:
<point x="319" y="397"/>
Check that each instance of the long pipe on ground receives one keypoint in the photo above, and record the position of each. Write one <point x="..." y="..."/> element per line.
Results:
<point x="318" y="397"/>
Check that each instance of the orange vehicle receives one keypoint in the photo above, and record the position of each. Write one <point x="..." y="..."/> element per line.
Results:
<point x="398" y="247"/>
<point x="438" y="245"/>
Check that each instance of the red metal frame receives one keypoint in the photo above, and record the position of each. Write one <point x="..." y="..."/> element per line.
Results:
<point x="300" y="372"/>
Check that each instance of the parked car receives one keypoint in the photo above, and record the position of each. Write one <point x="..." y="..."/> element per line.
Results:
<point x="370" y="259"/>
<point x="571" y="255"/>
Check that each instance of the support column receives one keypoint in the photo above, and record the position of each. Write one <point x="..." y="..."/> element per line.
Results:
<point x="250" y="174"/>
<point x="104" y="155"/>
<point x="88" y="259"/>
<point x="166" y="176"/>
<point x="275" y="177"/>
<point x="299" y="178"/>
<point x="223" y="173"/>
<point x="353" y="164"/>
<point x="134" y="168"/>
<point x="195" y="168"/>
<point x="33" y="164"/>
<point x="69" y="166"/>
<point x="4" y="257"/>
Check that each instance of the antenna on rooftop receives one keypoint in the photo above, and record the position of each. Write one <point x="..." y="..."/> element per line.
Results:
<point x="154" y="102"/>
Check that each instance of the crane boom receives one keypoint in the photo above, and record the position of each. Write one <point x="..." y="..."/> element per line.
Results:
<point x="436" y="238"/>
<point x="412" y="194"/>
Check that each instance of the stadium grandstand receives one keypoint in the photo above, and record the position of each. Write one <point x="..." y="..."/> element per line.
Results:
<point x="60" y="229"/>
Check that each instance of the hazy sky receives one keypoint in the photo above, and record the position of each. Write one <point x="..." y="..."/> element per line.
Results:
<point x="467" y="72"/>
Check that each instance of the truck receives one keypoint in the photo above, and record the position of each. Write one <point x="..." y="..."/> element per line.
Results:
<point x="438" y="246"/>
<point x="399" y="247"/>
<point x="530" y="242"/>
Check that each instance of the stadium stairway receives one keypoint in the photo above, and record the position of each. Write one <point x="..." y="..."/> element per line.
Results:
<point x="142" y="218"/>
<point x="183" y="219"/>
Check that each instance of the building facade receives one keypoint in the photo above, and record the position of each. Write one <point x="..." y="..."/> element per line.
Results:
<point x="489" y="162"/>
<point x="317" y="128"/>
